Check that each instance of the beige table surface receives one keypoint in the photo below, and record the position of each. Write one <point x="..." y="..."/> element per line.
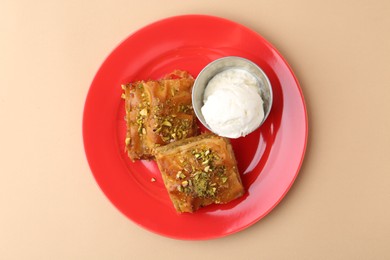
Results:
<point x="51" y="206"/>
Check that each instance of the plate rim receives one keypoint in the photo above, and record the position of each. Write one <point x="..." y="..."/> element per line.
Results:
<point x="270" y="46"/>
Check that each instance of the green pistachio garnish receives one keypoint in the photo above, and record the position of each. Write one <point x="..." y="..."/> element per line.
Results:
<point x="184" y="108"/>
<point x="143" y="112"/>
<point x="205" y="177"/>
<point x="127" y="141"/>
<point x="180" y="175"/>
<point x="167" y="123"/>
<point x="170" y="128"/>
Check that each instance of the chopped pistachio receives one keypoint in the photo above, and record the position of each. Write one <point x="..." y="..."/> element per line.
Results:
<point x="167" y="123"/>
<point x="123" y="96"/>
<point x="123" y="86"/>
<point x="184" y="183"/>
<point x="194" y="174"/>
<point x="180" y="188"/>
<point x="143" y="112"/>
<point x="180" y="175"/>
<point x="165" y="139"/>
<point x="206" y="176"/>
<point x="184" y="108"/>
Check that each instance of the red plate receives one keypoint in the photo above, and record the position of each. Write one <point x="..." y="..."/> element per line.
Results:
<point x="268" y="159"/>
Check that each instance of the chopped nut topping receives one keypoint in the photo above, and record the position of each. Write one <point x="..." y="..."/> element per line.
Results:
<point x="171" y="128"/>
<point x="180" y="175"/>
<point x="167" y="123"/>
<point x="205" y="178"/>
<point x="143" y="112"/>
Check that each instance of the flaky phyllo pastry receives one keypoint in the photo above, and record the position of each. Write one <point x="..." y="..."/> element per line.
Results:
<point x="199" y="171"/>
<point x="158" y="112"/>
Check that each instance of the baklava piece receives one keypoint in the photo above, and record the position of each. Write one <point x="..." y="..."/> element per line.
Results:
<point x="199" y="171"/>
<point x="158" y="112"/>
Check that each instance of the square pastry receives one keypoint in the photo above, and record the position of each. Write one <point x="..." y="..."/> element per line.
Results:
<point x="158" y="112"/>
<point x="199" y="171"/>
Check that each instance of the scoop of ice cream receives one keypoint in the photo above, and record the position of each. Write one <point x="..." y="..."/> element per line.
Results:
<point x="233" y="106"/>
